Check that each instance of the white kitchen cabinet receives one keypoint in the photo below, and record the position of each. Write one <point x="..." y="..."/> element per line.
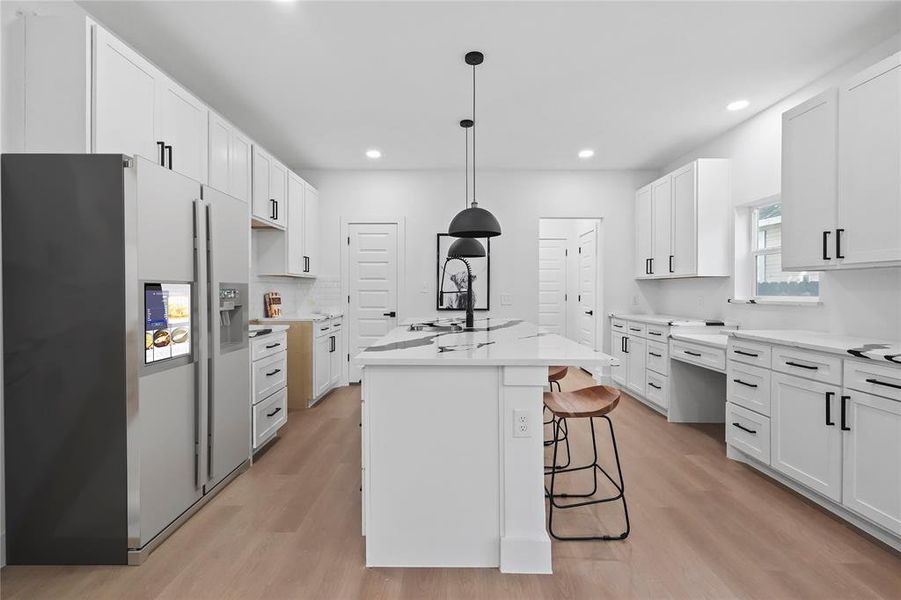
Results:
<point x="636" y="353"/>
<point x="229" y="161"/>
<point x="269" y="380"/>
<point x="644" y="232"/>
<point x="620" y="373"/>
<point x="336" y="358"/>
<point x="682" y="223"/>
<point x="269" y="187"/>
<point x="805" y="436"/>
<point x="290" y="252"/>
<point x="181" y="124"/>
<point x="872" y="457"/>
<point x="296" y="259"/>
<point x="322" y="364"/>
<point x="869" y="163"/>
<point x="311" y="229"/>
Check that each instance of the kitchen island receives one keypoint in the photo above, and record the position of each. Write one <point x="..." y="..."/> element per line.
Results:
<point x="453" y="459"/>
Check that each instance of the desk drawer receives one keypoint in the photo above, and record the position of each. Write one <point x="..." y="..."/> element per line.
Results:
<point x="873" y="378"/>
<point x="750" y="353"/>
<point x="748" y="387"/>
<point x="268" y="375"/>
<point x="749" y="432"/>
<point x="658" y="333"/>
<point x="810" y="365"/>
<point x="268" y="345"/>
<point x="705" y="356"/>
<point x="658" y="357"/>
<point x="268" y="416"/>
<point x="638" y="329"/>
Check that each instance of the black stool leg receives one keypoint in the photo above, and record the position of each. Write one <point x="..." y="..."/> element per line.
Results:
<point x="565" y="429"/>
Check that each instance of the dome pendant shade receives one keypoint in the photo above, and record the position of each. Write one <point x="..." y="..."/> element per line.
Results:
<point x="466" y="248"/>
<point x="474" y="222"/>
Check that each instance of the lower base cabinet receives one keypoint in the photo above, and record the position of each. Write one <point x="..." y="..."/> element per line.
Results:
<point x="269" y="398"/>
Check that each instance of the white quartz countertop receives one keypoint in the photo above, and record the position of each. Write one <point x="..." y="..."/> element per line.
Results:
<point x="714" y="340"/>
<point x="494" y="342"/>
<point x="869" y="348"/>
<point x="254" y="329"/>
<point x="302" y="317"/>
<point x="673" y="320"/>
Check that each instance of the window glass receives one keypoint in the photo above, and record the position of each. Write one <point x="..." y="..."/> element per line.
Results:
<point x="770" y="279"/>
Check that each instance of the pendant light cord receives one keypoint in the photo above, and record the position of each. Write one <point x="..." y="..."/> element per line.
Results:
<point x="473" y="134"/>
<point x="466" y="170"/>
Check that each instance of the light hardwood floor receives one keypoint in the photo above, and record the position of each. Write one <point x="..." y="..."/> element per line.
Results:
<point x="702" y="527"/>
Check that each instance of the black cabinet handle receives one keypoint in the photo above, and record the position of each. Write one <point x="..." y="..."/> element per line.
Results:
<point x="671" y="264"/>
<point x="743" y="353"/>
<point x="654" y="333"/>
<point x="654" y="385"/>
<point x="651" y="261"/>
<point x="689" y="352"/>
<point x="617" y="326"/>
<point x="844" y="415"/>
<point x="276" y="209"/>
<point x="829" y="421"/>
<point x="169" y="152"/>
<point x="838" y="243"/>
<point x="589" y="312"/>
<point x="271" y="373"/>
<point x="634" y="329"/>
<point x="272" y="208"/>
<point x="391" y="314"/>
<point x="162" y="147"/>
<point x="743" y="428"/>
<point x="273" y="413"/>
<point x="745" y="383"/>
<point x="647" y="266"/>
<point x="885" y="383"/>
<point x="626" y="345"/>
<point x="794" y="364"/>
<point x="275" y="345"/>
<point x="331" y="343"/>
<point x="306" y="264"/>
<point x="826" y="245"/>
<point x="655" y="354"/>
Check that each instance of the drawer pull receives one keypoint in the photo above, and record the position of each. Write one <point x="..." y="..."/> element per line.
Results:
<point x="275" y="345"/>
<point x="617" y="326"/>
<point x="885" y="383"/>
<point x="271" y="373"/>
<point x="654" y="385"/>
<point x="657" y="333"/>
<point x="844" y="415"/>
<point x="324" y="328"/>
<point x="743" y="353"/>
<point x="750" y="385"/>
<point x="829" y="421"/>
<point x="634" y="329"/>
<point x="275" y="412"/>
<point x="655" y="354"/>
<point x="794" y="364"/>
<point x="740" y="426"/>
<point x="690" y="353"/>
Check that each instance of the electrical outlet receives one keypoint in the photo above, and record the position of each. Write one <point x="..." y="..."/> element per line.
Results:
<point x="506" y="300"/>
<point x="521" y="424"/>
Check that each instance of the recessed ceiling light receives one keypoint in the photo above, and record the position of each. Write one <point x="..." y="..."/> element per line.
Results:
<point x="374" y="153"/>
<point x="738" y="105"/>
<point x="586" y="153"/>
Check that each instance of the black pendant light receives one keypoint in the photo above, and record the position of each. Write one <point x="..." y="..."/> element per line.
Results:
<point x="474" y="222"/>
<point x="466" y="247"/>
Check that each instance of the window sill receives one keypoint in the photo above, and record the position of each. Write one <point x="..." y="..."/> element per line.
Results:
<point x="777" y="301"/>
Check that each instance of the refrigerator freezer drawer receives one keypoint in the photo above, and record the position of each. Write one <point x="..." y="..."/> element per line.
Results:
<point x="268" y="417"/>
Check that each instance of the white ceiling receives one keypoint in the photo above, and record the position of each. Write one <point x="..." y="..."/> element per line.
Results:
<point x="319" y="83"/>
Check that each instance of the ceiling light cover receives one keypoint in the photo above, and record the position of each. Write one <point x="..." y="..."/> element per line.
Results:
<point x="586" y="153"/>
<point x="466" y="248"/>
<point x="374" y="153"/>
<point x="738" y="105"/>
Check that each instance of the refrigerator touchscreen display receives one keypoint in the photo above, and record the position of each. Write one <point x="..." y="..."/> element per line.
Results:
<point x="167" y="321"/>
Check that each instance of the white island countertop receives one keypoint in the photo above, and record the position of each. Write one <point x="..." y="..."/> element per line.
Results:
<point x="859" y="347"/>
<point x="497" y="342"/>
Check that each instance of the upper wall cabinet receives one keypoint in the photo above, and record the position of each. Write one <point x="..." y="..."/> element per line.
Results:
<point x="270" y="180"/>
<point x="291" y="253"/>
<point x="181" y="126"/>
<point x="229" y="159"/>
<point x="682" y="223"/>
<point x="841" y="174"/>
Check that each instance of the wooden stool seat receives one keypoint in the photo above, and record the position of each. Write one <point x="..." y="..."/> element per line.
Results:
<point x="594" y="401"/>
<point x="556" y="373"/>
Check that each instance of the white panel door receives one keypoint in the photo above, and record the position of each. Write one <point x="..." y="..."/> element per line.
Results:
<point x="637" y="355"/>
<point x="662" y="219"/>
<point x="871" y="477"/>
<point x="124" y="100"/>
<point x="685" y="218"/>
<point x="372" y="286"/>
<point x="552" y="285"/>
<point x="869" y="198"/>
<point x="644" y="240"/>
<point x="587" y="334"/>
<point x="805" y="435"/>
<point x="296" y="260"/>
<point x="809" y="163"/>
<point x="182" y="122"/>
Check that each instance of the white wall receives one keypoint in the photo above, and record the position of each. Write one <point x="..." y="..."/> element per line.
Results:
<point x="428" y="200"/>
<point x="860" y="302"/>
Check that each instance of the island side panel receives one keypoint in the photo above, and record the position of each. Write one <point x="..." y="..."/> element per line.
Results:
<point x="432" y="473"/>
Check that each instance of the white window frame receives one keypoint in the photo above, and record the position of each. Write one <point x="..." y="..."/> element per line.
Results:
<point x="754" y="252"/>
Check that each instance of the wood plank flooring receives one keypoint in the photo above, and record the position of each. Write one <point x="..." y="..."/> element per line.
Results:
<point x="702" y="527"/>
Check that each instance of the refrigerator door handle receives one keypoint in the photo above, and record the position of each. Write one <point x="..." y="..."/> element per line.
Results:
<point x="198" y="375"/>
<point x="211" y="332"/>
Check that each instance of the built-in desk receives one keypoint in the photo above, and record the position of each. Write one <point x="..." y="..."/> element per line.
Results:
<point x="697" y="377"/>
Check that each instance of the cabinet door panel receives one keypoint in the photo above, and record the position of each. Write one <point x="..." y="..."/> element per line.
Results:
<point x="295" y="229"/>
<point x="311" y="229"/>
<point x="619" y="373"/>
<point x="809" y="198"/>
<point x="685" y="220"/>
<point x="124" y="98"/>
<point x="637" y="356"/>
<point x="869" y="199"/>
<point x="262" y="200"/>
<point x="335" y="361"/>
<point x="278" y="175"/>
<point x="239" y="166"/>
<point x="804" y="446"/>
<point x="321" y="365"/>
<point x="644" y="243"/>
<point x="219" y="149"/>
<point x="872" y="459"/>
<point x="662" y="218"/>
<point x="182" y="123"/>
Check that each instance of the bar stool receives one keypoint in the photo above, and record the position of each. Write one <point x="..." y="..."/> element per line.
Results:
<point x="587" y="403"/>
<point x="554" y="375"/>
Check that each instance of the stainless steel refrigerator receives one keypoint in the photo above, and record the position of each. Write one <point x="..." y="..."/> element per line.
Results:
<point x="126" y="368"/>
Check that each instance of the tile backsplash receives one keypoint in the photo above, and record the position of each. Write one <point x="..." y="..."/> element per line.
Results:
<point x="299" y="295"/>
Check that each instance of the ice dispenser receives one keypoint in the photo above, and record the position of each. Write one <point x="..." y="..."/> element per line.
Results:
<point x="232" y="316"/>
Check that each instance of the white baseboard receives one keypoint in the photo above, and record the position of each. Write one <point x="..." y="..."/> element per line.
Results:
<point x="526" y="555"/>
